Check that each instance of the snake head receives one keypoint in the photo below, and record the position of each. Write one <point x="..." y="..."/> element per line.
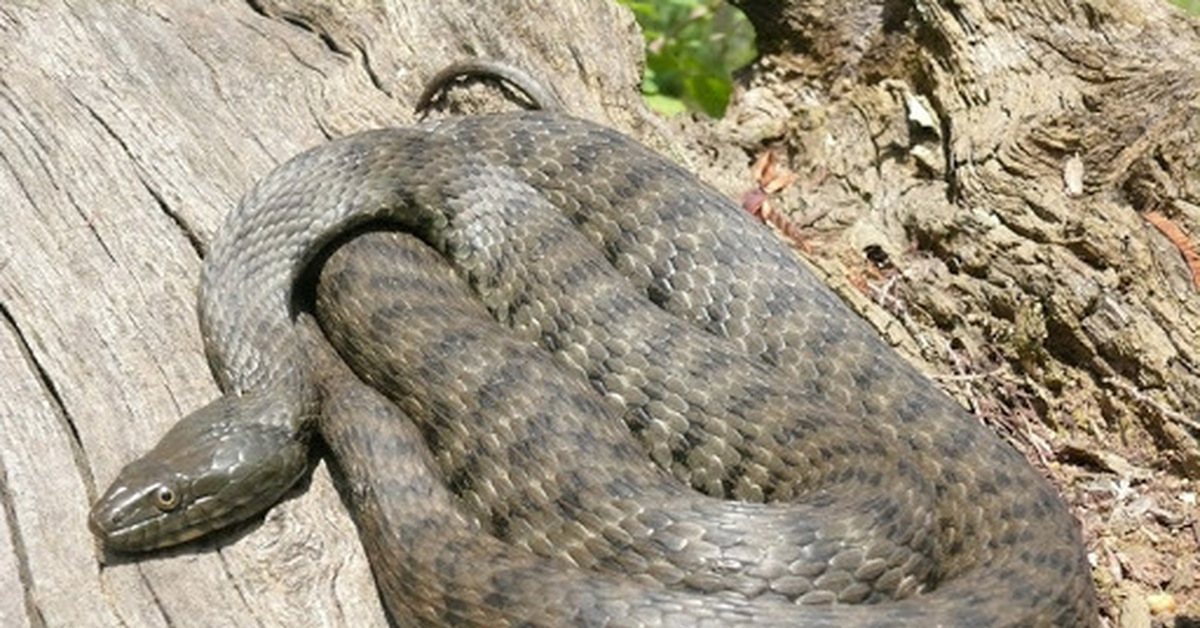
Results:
<point x="219" y="465"/>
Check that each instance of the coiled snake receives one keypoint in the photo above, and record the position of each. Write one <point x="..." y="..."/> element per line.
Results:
<point x="614" y="400"/>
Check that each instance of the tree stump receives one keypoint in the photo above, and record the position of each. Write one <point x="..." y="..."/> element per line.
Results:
<point x="1010" y="192"/>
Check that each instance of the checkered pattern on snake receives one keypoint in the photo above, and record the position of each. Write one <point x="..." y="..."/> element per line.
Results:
<point x="614" y="398"/>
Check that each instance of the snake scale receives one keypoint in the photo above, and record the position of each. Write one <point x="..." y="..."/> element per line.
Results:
<point x="599" y="394"/>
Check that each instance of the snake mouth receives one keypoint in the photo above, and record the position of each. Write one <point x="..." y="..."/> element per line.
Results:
<point x="135" y="520"/>
<point x="118" y="522"/>
<point x="126" y="520"/>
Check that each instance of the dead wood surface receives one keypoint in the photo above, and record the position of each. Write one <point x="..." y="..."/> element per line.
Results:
<point x="127" y="132"/>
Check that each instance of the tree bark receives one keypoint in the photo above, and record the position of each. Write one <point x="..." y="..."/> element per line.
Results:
<point x="1007" y="193"/>
<point x="1010" y="192"/>
<point x="1032" y="168"/>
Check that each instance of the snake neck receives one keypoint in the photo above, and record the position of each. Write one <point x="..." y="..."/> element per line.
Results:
<point x="248" y="304"/>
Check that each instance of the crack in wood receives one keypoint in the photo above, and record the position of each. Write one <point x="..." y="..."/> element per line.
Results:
<point x="168" y="620"/>
<point x="51" y="390"/>
<point x="303" y="23"/>
<point x="193" y="237"/>
<point x="32" y="611"/>
<point x="366" y="66"/>
<point x="29" y="197"/>
<point x="327" y="40"/>
<point x="234" y="581"/>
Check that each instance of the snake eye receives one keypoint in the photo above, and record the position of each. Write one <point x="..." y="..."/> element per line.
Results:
<point x="166" y="498"/>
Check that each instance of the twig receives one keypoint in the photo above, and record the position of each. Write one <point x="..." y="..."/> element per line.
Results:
<point x="970" y="377"/>
<point x="1145" y="399"/>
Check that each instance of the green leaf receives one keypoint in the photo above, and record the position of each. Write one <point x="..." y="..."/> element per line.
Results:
<point x="693" y="47"/>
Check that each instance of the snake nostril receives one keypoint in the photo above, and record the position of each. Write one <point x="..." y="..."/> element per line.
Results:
<point x="96" y="523"/>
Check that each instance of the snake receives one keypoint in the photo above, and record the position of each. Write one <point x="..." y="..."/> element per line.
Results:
<point x="568" y="383"/>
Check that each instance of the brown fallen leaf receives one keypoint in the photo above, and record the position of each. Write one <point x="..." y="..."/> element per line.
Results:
<point x="1177" y="237"/>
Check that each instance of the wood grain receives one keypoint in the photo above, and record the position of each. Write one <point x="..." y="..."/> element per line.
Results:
<point x="127" y="132"/>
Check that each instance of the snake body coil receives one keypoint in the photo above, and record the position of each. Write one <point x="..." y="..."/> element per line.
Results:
<point x="603" y="305"/>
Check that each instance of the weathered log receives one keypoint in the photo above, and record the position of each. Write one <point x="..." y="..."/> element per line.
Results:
<point x="129" y="130"/>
